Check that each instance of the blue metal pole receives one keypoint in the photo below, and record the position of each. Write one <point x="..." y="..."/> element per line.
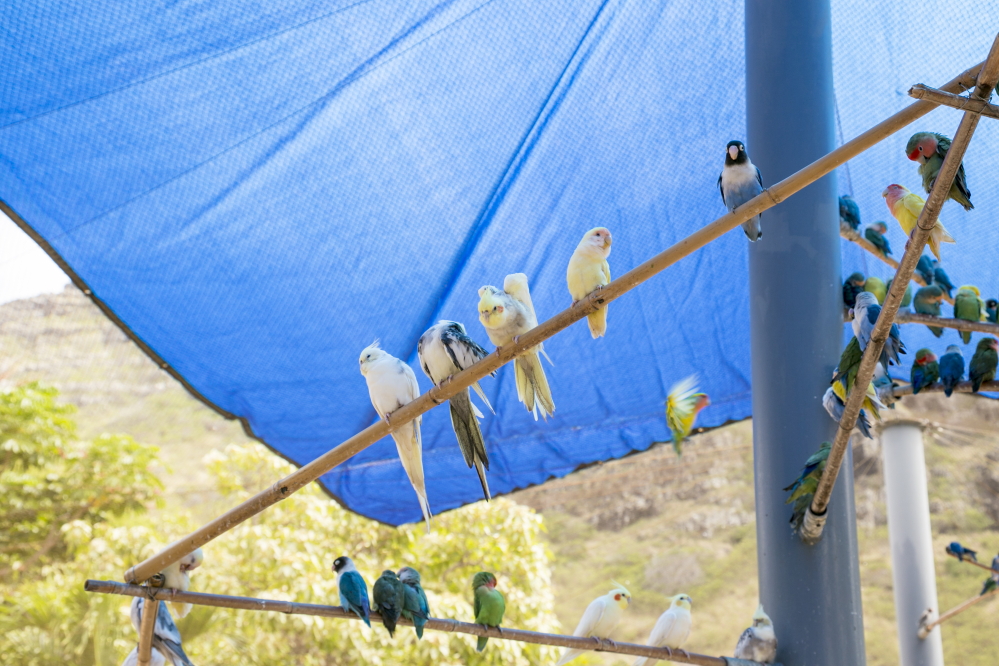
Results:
<point x="812" y="593"/>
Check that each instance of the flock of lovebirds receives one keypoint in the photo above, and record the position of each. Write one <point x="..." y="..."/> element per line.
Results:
<point x="955" y="549"/>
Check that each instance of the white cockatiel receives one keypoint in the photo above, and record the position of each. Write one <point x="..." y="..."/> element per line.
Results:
<point x="671" y="630"/>
<point x="600" y="619"/>
<point x="177" y="577"/>
<point x="166" y="638"/>
<point x="391" y="385"/>
<point x="758" y="642"/>
<point x="588" y="270"/>
<point x="445" y="350"/>
<point x="506" y="314"/>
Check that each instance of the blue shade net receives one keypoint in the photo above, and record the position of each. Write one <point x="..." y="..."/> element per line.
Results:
<point x="258" y="191"/>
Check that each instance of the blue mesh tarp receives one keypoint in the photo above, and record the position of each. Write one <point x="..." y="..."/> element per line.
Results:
<point x="257" y="191"/>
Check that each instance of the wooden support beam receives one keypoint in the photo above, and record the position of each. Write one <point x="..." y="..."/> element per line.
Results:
<point x="436" y="624"/>
<point x="150" y="608"/>
<point x="947" y="322"/>
<point x="924" y="630"/>
<point x="968" y="104"/>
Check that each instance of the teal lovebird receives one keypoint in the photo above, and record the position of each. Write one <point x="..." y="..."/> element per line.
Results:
<point x="849" y="212"/>
<point x="489" y="604"/>
<point x="951" y="369"/>
<point x="925" y="268"/>
<point x="739" y="182"/>
<point x="877" y="286"/>
<point x="927" y="301"/>
<point x="852" y="286"/>
<point x="925" y="370"/>
<point x="929" y="149"/>
<point x="875" y="233"/>
<point x="416" y="607"/>
<point x="389" y="597"/>
<point x="803" y="488"/>
<point x="983" y="364"/>
<point x="353" y="589"/>
<point x="969" y="306"/>
<point x="941" y="278"/>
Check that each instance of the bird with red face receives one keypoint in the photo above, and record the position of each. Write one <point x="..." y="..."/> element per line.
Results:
<point x="929" y="149"/>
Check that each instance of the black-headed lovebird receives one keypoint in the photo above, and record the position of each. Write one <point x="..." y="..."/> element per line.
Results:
<point x="739" y="182"/>
<point x="992" y="310"/>
<point x="983" y="364"/>
<point x="852" y="286"/>
<point x="353" y="590"/>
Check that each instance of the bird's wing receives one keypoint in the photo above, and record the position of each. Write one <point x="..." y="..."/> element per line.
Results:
<point x="913" y="203"/>
<point x="744" y="642"/>
<point x="463" y="350"/>
<point x="424" y="339"/>
<point x="165" y="628"/>
<point x="759" y="178"/>
<point x="664" y="625"/>
<point x="605" y="267"/>
<point x="135" y="613"/>
<point x="591" y="617"/>
<point x="721" y="190"/>
<point x="353" y="589"/>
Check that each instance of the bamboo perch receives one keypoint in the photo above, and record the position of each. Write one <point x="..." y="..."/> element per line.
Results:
<point x="439" y="394"/>
<point x="937" y="387"/>
<point x="977" y="564"/>
<point x="437" y="624"/>
<point x="945" y="322"/>
<point x="150" y="609"/>
<point x="924" y="630"/>
<point x="854" y="237"/>
<point x="815" y="516"/>
<point x="970" y="104"/>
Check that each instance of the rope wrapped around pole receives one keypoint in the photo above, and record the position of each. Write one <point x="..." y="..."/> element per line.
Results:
<point x="441" y="393"/>
<point x="437" y="624"/>
<point x="815" y="516"/>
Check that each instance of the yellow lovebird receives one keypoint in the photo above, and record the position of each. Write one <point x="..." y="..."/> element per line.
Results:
<point x="588" y="270"/>
<point x="906" y="207"/>
<point x="683" y="403"/>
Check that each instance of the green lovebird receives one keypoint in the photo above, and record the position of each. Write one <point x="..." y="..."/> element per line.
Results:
<point x="415" y="605"/>
<point x="969" y="306"/>
<point x="803" y="488"/>
<point x="849" y="364"/>
<point x="876" y="286"/>
<point x="875" y="234"/>
<point x="925" y="370"/>
<point x="927" y="302"/>
<point x="929" y="149"/>
<point x="489" y="604"/>
<point x="983" y="364"/>
<point x="389" y="597"/>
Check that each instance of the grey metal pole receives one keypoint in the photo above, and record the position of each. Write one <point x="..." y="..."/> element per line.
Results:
<point x="811" y="592"/>
<point x="911" y="542"/>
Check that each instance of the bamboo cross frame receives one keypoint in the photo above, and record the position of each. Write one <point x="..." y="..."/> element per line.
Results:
<point x="925" y="629"/>
<point x="919" y="91"/>
<point x="436" y="624"/>
<point x="461" y="381"/>
<point x="815" y="516"/>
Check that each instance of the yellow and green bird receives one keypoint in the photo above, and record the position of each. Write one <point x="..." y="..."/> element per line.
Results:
<point x="489" y="604"/>
<point x="877" y="286"/>
<point x="968" y="305"/>
<point x="683" y="403"/>
<point x="929" y="149"/>
<point x="906" y="207"/>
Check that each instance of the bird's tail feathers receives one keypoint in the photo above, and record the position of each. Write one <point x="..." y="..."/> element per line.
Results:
<point x="532" y="385"/>
<point x="479" y="391"/>
<point x="864" y="424"/>
<point x="469" y="435"/>
<point x="482" y="479"/>
<point x="568" y="655"/>
<point x="481" y="644"/>
<point x="753" y="229"/>
<point x="965" y="336"/>
<point x="172" y="651"/>
<point x="597" y="321"/>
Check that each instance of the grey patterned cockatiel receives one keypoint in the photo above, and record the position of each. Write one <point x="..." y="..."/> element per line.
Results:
<point x="758" y="642"/>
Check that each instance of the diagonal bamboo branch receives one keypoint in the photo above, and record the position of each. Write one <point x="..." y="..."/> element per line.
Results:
<point x="924" y="630"/>
<point x="946" y="322"/>
<point x="815" y="516"/>
<point x="919" y="91"/>
<point x="437" y="624"/>
<point x="972" y="562"/>
<point x="854" y="237"/>
<point x="150" y="608"/>
<point x="439" y="394"/>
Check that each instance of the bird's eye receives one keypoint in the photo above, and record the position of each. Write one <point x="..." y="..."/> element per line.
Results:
<point x="920" y="148"/>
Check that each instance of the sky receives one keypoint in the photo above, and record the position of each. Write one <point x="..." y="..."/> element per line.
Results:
<point x="25" y="269"/>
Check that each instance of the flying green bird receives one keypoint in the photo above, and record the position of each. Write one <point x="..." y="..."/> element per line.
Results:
<point x="877" y="286"/>
<point x="489" y="604"/>
<point x="929" y="149"/>
<point x="875" y="233"/>
<point x="969" y="306"/>
<point x="683" y="403"/>
<point x="925" y="370"/>
<point x="803" y="488"/>
<point x="927" y="302"/>
<point x="983" y="364"/>
<point x="415" y="606"/>
<point x="389" y="596"/>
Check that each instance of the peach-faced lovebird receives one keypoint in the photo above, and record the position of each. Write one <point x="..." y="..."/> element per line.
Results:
<point x="960" y="552"/>
<point x="992" y="310"/>
<point x="352" y="588"/>
<point x="588" y="271"/>
<point x="877" y="286"/>
<point x="941" y="278"/>
<point x="803" y="488"/>
<point x="875" y="233"/>
<point x="739" y="182"/>
<point x="489" y="604"/>
<point x="416" y="606"/>
<point x="389" y="596"/>
<point x="906" y="207"/>
<point x="391" y="385"/>
<point x="925" y="268"/>
<point x="925" y="370"/>
<point x="852" y="286"/>
<point x="927" y="302"/>
<point x="445" y="350"/>
<point x="968" y="305"/>
<point x="951" y="369"/>
<point x="683" y="403"/>
<point x="506" y="314"/>
<point x="166" y="638"/>
<point x="849" y="212"/>
<point x="865" y="316"/>
<point x="758" y="642"/>
<point x="672" y="628"/>
<point x="599" y="620"/>
<point x="983" y="364"/>
<point x="929" y="149"/>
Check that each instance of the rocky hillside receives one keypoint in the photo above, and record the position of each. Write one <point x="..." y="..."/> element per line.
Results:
<point x="650" y="521"/>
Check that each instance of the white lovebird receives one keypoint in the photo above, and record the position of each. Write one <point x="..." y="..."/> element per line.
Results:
<point x="506" y="314"/>
<point x="391" y="385"/>
<point x="600" y="619"/>
<point x="445" y="350"/>
<point x="588" y="271"/>
<point x="166" y="638"/>
<point x="671" y="630"/>
<point x="177" y="576"/>
<point x="758" y="642"/>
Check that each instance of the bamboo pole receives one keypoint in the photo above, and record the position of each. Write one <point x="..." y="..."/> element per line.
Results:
<point x="969" y="104"/>
<point x="441" y="393"/>
<point x="437" y="624"/>
<point x="946" y="322"/>
<point x="150" y="608"/>
<point x="963" y="387"/>
<point x="924" y="630"/>
<point x="815" y="516"/>
<point x="972" y="562"/>
<point x="854" y="237"/>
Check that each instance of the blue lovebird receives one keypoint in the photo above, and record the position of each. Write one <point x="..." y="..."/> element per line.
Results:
<point x="960" y="552"/>
<point x="849" y="212"/>
<point x="865" y="314"/>
<point x="941" y="278"/>
<point x="416" y="607"/>
<point x="739" y="182"/>
<point x="353" y="589"/>
<point x="925" y="269"/>
<point x="951" y="369"/>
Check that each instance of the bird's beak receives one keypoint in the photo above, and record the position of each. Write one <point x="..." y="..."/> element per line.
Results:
<point x="885" y="193"/>
<point x="733" y="151"/>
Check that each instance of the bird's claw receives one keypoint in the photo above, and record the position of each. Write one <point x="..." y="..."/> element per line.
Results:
<point x="684" y="653"/>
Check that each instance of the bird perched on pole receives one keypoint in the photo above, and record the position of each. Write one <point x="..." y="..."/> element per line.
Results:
<point x="968" y="305"/>
<point x="849" y="212"/>
<point x="166" y="637"/>
<point x="929" y="150"/>
<point x="876" y="286"/>
<point x="925" y="268"/>
<point x="951" y="369"/>
<point x="803" y="489"/>
<point x="391" y="385"/>
<point x="875" y="233"/>
<point x="389" y="596"/>
<point x="415" y="607"/>
<point x="507" y="314"/>
<point x="992" y="582"/>
<point x="906" y="207"/>
<point x="960" y="552"/>
<point x="941" y="278"/>
<point x="683" y="403"/>
<point x="849" y="364"/>
<point x="445" y="350"/>
<point x="852" y="286"/>
<point x="489" y="604"/>
<point x="758" y="642"/>
<point x="865" y="315"/>
<point x="927" y="301"/>
<point x="739" y="182"/>
<point x="672" y="629"/>
<point x="992" y="310"/>
<point x="983" y="364"/>
<point x="352" y="588"/>
<point x="834" y="400"/>
<point x="925" y="370"/>
<point x="588" y="271"/>
<point x="177" y="577"/>
<point x="599" y="620"/>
